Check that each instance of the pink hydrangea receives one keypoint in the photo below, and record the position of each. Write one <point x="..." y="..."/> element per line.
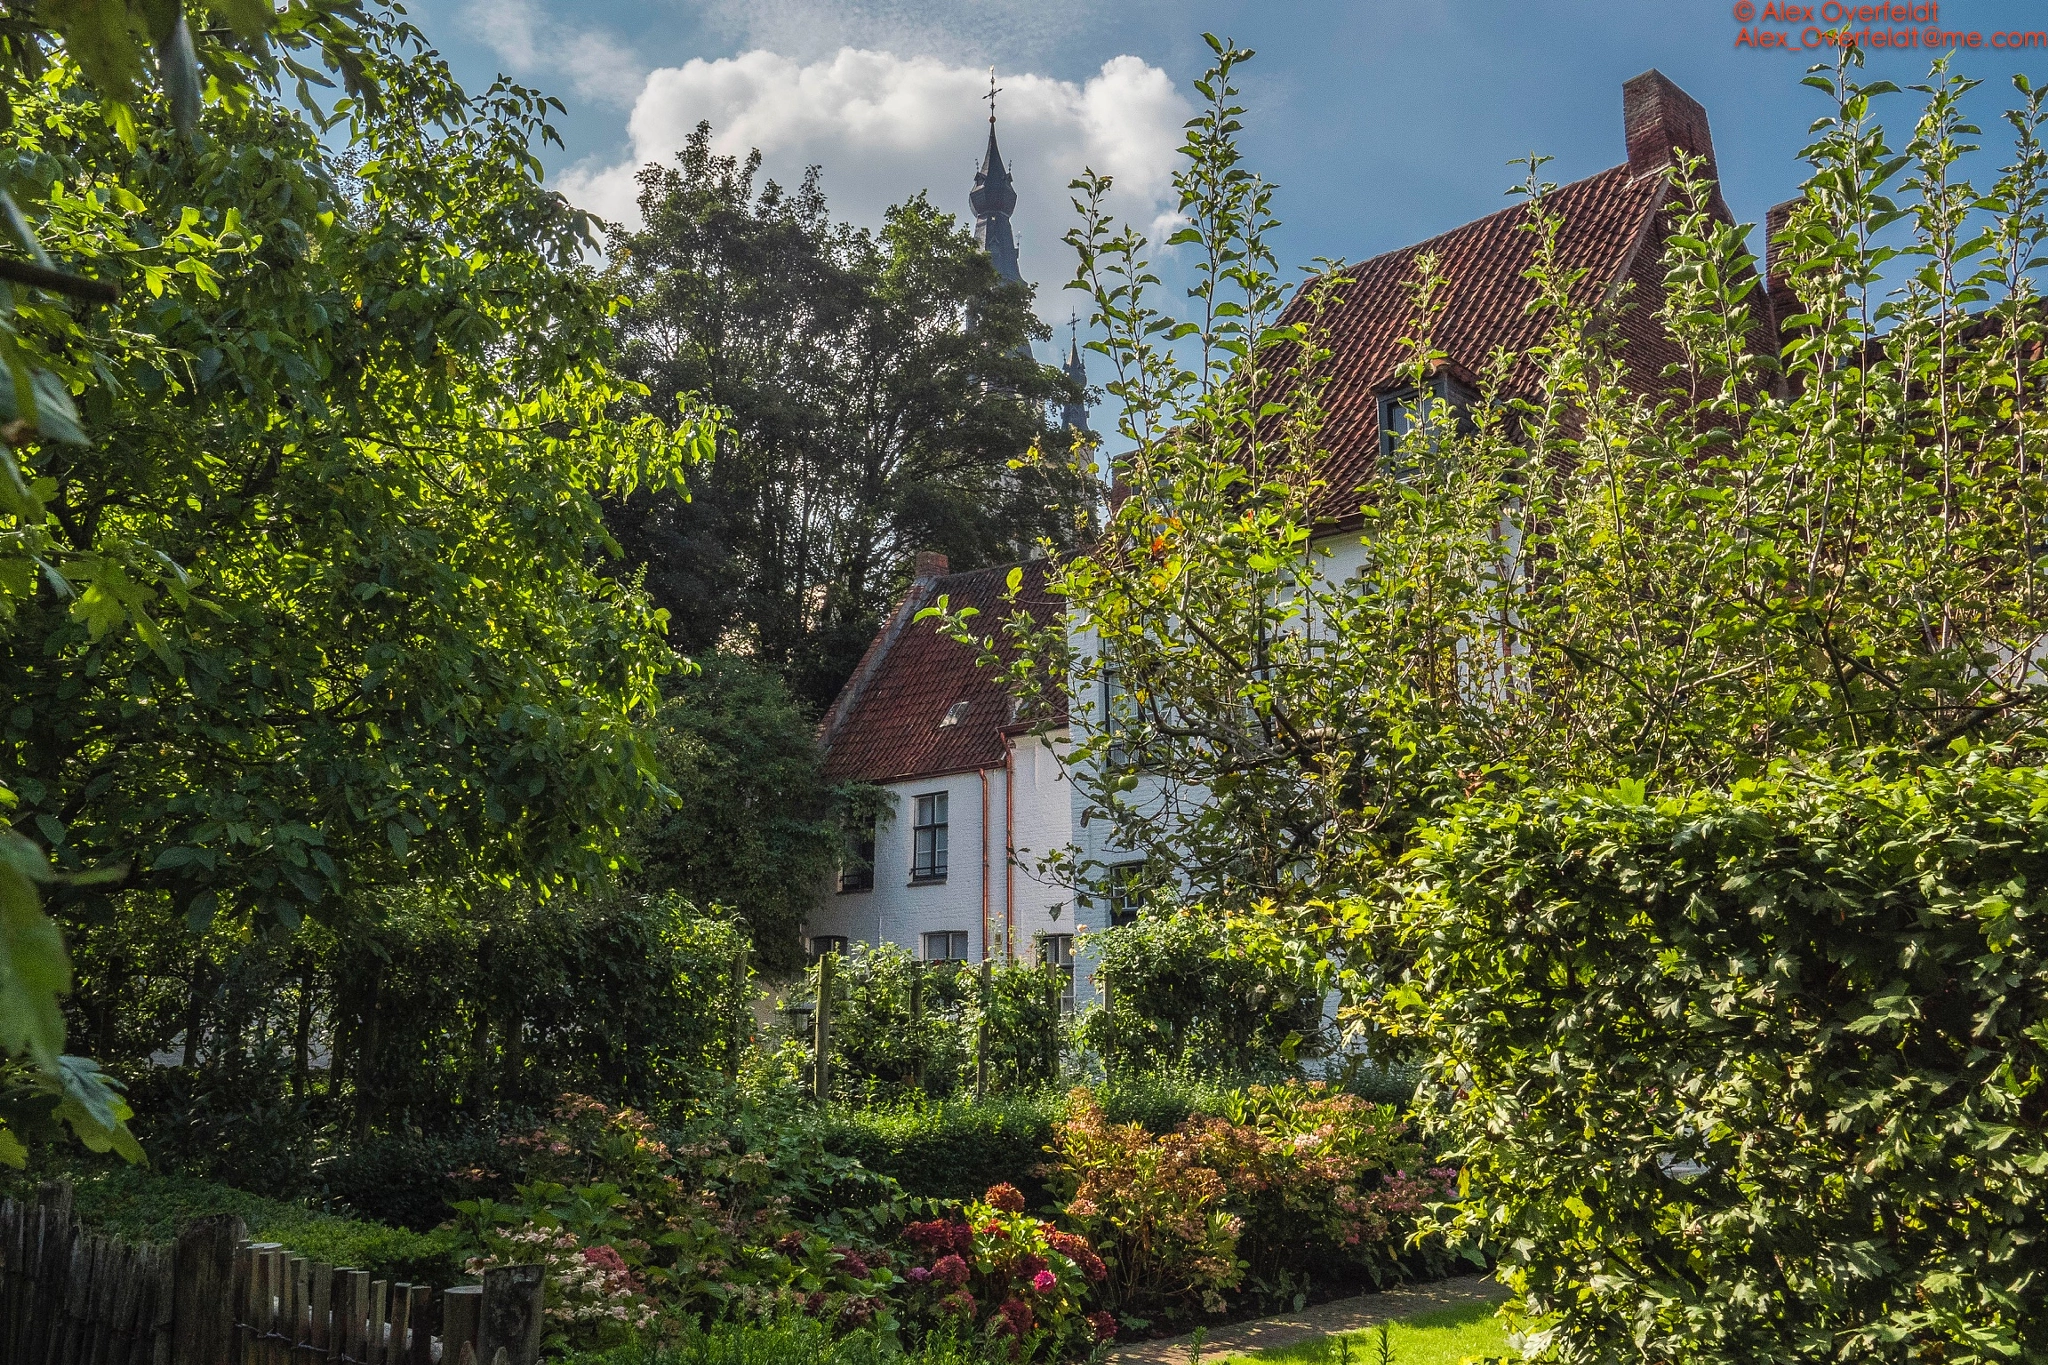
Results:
<point x="1045" y="1282"/>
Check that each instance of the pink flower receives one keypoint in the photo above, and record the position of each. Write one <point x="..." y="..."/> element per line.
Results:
<point x="919" y="1274"/>
<point x="1045" y="1282"/>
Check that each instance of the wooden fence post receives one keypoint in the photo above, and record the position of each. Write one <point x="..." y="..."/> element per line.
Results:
<point x="1052" y="1033"/>
<point x="202" y="1295"/>
<point x="981" y="1030"/>
<point x="742" y="1015"/>
<point x="917" y="1017"/>
<point x="821" y="1025"/>
<point x="511" y="1314"/>
<point x="462" y="1310"/>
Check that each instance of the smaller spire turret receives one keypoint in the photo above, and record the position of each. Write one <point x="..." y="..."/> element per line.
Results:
<point x="1074" y="413"/>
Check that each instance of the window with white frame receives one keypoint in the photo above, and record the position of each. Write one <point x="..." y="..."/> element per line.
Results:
<point x="928" y="839"/>
<point x="946" y="945"/>
<point x="1123" y="889"/>
<point x="857" y="871"/>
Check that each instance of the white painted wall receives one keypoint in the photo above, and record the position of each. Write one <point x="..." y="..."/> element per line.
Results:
<point x="898" y="911"/>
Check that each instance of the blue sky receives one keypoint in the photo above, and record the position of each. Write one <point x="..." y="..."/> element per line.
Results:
<point x="1382" y="122"/>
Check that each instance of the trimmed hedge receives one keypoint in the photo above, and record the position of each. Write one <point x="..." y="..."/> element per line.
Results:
<point x="140" y="1206"/>
<point x="1754" y="1075"/>
<point x="956" y="1149"/>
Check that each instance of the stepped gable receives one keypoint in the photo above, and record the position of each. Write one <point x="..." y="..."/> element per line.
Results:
<point x="1613" y="228"/>
<point x="891" y="729"/>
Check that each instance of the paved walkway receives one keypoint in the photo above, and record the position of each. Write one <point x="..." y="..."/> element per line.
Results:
<point x="1338" y="1315"/>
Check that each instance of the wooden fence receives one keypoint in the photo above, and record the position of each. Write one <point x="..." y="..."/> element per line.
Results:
<point x="69" y="1297"/>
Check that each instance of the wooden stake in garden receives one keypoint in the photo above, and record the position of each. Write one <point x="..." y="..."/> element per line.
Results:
<point x="917" y="1017"/>
<point x="981" y="1032"/>
<point x="821" y="1031"/>
<point x="742" y="1015"/>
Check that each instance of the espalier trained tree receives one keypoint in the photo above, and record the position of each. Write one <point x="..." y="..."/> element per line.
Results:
<point x="1827" y="558"/>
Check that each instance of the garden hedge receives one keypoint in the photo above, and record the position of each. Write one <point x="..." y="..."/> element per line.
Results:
<point x="1752" y="1075"/>
<point x="141" y="1206"/>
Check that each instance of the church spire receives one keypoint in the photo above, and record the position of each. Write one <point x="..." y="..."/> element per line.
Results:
<point x="994" y="198"/>
<point x="1074" y="413"/>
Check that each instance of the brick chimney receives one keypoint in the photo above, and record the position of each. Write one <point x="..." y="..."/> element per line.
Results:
<point x="1659" y="116"/>
<point x="929" y="564"/>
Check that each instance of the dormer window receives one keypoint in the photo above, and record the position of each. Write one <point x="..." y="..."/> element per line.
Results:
<point x="1402" y="410"/>
<point x="955" y="713"/>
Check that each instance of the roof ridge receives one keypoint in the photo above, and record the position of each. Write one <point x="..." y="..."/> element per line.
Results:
<point x="1484" y="219"/>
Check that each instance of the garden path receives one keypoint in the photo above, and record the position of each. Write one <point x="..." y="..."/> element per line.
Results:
<point x="1338" y="1315"/>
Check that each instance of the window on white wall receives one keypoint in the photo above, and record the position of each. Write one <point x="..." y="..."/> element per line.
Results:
<point x="928" y="839"/>
<point x="1057" y="950"/>
<point x="828" y="943"/>
<point x="946" y="945"/>
<point x="1123" y="888"/>
<point x="857" y="872"/>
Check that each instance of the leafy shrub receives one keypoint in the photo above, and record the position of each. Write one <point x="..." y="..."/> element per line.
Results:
<point x="878" y="1050"/>
<point x="1323" y="1181"/>
<point x="140" y="1205"/>
<point x="1153" y="1207"/>
<point x="411" y="1179"/>
<point x="1175" y="1001"/>
<point x="1750" y="1075"/>
<point x="951" y="1149"/>
<point x="793" y="1340"/>
<point x="1005" y="1274"/>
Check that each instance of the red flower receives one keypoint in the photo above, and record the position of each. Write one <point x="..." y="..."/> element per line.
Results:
<point x="950" y="1270"/>
<point x="1017" y="1317"/>
<point x="1103" y="1325"/>
<point x="1006" y="1197"/>
<point x="850" y="1261"/>
<point x="961" y="1303"/>
<point x="1027" y="1265"/>
<point x="940" y="1235"/>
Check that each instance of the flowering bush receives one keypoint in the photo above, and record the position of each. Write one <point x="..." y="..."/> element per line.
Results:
<point x="1154" y="1207"/>
<point x="590" y="1297"/>
<point x="1322" y="1179"/>
<point x="1005" y="1275"/>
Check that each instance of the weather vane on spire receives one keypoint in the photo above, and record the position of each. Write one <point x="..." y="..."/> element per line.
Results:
<point x="993" y="91"/>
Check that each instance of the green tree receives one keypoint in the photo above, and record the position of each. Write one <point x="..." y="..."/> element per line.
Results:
<point x="879" y="391"/>
<point x="756" y="828"/>
<point x="353" y="423"/>
<point x="116" y="46"/>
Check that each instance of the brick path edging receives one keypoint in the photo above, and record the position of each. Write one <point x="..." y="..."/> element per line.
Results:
<point x="1338" y="1315"/>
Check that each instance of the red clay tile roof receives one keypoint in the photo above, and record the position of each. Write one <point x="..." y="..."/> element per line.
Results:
<point x="893" y="732"/>
<point x="1612" y="229"/>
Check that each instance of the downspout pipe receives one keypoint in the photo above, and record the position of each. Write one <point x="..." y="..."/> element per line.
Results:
<point x="984" y="864"/>
<point x="1009" y="846"/>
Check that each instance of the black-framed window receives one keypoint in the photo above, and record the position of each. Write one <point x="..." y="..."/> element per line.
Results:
<point x="1057" y="950"/>
<point x="822" y="944"/>
<point x="1402" y="409"/>
<point x="1123" y="889"/>
<point x="945" y="945"/>
<point x="857" y="873"/>
<point x="928" y="839"/>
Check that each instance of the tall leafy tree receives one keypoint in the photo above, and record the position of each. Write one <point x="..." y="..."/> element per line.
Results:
<point x="879" y="389"/>
<point x="229" y="48"/>
<point x="352" y="421"/>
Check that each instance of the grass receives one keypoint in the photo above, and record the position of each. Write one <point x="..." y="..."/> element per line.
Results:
<point x="1443" y="1337"/>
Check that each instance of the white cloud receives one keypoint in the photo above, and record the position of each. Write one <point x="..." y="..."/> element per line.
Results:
<point x="527" y="39"/>
<point x="884" y="126"/>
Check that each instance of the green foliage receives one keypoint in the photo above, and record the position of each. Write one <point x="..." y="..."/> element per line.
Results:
<point x="1179" y="998"/>
<point x="380" y="645"/>
<point x="950" y="1149"/>
<point x="755" y="829"/>
<point x="791" y="1340"/>
<point x="879" y="387"/>
<point x="143" y="1206"/>
<point x="1749" y="1075"/>
<point x="879" y="1051"/>
<point x="445" y="1012"/>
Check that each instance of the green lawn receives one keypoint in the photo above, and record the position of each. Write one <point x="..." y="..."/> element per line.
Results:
<point x="1444" y="1337"/>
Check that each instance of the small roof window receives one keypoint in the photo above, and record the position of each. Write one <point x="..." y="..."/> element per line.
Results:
<point x="955" y="713"/>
